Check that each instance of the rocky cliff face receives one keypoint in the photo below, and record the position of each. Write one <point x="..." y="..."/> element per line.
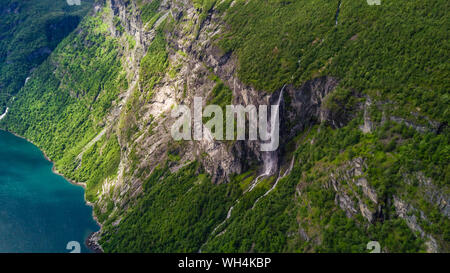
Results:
<point x="200" y="57"/>
<point x="195" y="56"/>
<point x="349" y="182"/>
<point x="197" y="62"/>
<point x="169" y="54"/>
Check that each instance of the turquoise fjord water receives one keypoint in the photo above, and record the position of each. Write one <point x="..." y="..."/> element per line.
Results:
<point x="39" y="210"/>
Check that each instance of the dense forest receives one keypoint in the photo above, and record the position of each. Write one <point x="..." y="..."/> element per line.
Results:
<point x="90" y="103"/>
<point x="29" y="31"/>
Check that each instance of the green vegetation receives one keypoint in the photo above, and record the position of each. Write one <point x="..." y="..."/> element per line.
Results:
<point x="266" y="228"/>
<point x="371" y="52"/>
<point x="154" y="64"/>
<point x="62" y="107"/>
<point x="393" y="51"/>
<point x="100" y="161"/>
<point x="29" y="31"/>
<point x="149" y="12"/>
<point x="176" y="213"/>
<point x="221" y="94"/>
<point x="118" y="25"/>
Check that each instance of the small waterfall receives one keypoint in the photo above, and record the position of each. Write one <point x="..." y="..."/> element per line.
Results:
<point x="219" y="225"/>
<point x="228" y="217"/>
<point x="270" y="162"/>
<point x="276" y="182"/>
<point x="4" y="114"/>
<point x="270" y="159"/>
<point x="255" y="182"/>
<point x="337" y="12"/>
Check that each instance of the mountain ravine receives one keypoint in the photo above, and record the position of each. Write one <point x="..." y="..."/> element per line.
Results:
<point x="364" y="109"/>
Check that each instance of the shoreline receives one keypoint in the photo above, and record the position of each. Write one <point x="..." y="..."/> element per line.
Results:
<point x="91" y="241"/>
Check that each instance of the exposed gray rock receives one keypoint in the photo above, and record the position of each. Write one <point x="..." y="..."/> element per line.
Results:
<point x="346" y="181"/>
<point x="368" y="125"/>
<point x="193" y="52"/>
<point x="419" y="128"/>
<point x="432" y="193"/>
<point x="407" y="212"/>
<point x="306" y="104"/>
<point x="92" y="242"/>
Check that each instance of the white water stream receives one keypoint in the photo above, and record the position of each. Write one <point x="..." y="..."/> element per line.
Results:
<point x="4" y="114"/>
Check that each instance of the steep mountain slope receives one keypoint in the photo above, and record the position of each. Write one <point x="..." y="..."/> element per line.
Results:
<point x="29" y="31"/>
<point x="364" y="124"/>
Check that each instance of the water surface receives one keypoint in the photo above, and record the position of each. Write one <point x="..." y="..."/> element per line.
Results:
<point x="39" y="210"/>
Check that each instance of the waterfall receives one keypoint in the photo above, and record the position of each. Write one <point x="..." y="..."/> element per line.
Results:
<point x="270" y="158"/>
<point x="4" y="114"/>
<point x="276" y="182"/>
<point x="255" y="182"/>
<point x="270" y="164"/>
<point x="219" y="225"/>
<point x="337" y="12"/>
<point x="228" y="217"/>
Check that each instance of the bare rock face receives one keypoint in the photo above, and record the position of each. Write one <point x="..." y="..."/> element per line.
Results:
<point x="306" y="103"/>
<point x="368" y="125"/>
<point x="432" y="193"/>
<point x="347" y="181"/>
<point x="92" y="242"/>
<point x="196" y="58"/>
<point x="407" y="212"/>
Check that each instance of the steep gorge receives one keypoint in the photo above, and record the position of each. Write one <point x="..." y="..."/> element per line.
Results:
<point x="108" y="126"/>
